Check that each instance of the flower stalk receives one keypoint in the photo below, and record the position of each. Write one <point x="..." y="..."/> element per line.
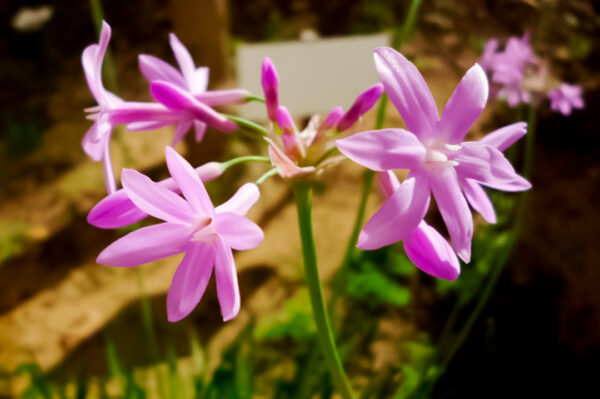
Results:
<point x="303" y="195"/>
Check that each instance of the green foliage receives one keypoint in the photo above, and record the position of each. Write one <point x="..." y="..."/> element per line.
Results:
<point x="13" y="238"/>
<point x="373" y="285"/>
<point x="293" y="320"/>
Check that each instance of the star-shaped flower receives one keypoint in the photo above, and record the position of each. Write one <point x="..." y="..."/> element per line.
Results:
<point x="192" y="225"/>
<point x="432" y="148"/>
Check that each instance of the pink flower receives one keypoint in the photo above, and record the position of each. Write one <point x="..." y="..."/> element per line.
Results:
<point x="565" y="98"/>
<point x="204" y="233"/>
<point x="424" y="246"/>
<point x="194" y="81"/>
<point x="432" y="148"/>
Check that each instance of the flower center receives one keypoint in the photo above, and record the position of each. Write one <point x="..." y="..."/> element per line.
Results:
<point x="437" y="155"/>
<point x="203" y="229"/>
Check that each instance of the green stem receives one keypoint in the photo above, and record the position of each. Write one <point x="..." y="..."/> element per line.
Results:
<point x="249" y="158"/>
<point x="248" y="125"/>
<point x="303" y="194"/>
<point x="268" y="174"/>
<point x="255" y="99"/>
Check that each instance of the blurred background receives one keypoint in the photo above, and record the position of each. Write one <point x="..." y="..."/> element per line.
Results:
<point x="522" y="320"/>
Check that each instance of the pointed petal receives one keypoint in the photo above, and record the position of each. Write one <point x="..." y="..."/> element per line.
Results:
<point x="189" y="183"/>
<point x="199" y="129"/>
<point x="489" y="167"/>
<point x="215" y="98"/>
<point x="180" y="130"/>
<point x="454" y="209"/>
<point x="237" y="231"/>
<point x="505" y="136"/>
<point x="332" y="119"/>
<point x="145" y="126"/>
<point x="154" y="199"/>
<point x="179" y="100"/>
<point x="464" y="106"/>
<point x="92" y="59"/>
<point x="134" y="112"/>
<point x="287" y="167"/>
<point x="114" y="211"/>
<point x="200" y="80"/>
<point x="93" y="141"/>
<point x="478" y="199"/>
<point x="241" y="202"/>
<point x="190" y="280"/>
<point x="407" y="90"/>
<point x="154" y="68"/>
<point x="388" y="182"/>
<point x="400" y="214"/>
<point x="228" y="290"/>
<point x="145" y="245"/>
<point x="430" y="252"/>
<point x="383" y="149"/>
<point x="184" y="59"/>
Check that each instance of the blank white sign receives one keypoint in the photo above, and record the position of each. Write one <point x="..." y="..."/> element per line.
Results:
<point x="314" y="76"/>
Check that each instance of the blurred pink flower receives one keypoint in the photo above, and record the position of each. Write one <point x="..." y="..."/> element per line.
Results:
<point x="565" y="98"/>
<point x="206" y="234"/>
<point x="432" y="148"/>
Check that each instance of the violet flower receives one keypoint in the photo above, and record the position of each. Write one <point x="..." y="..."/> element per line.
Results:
<point x="432" y="148"/>
<point x="424" y="246"/>
<point x="204" y="233"/>
<point x="565" y="98"/>
<point x="194" y="81"/>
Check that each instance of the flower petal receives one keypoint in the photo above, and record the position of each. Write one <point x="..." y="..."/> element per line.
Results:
<point x="287" y="167"/>
<point x="180" y="130"/>
<point x="199" y="129"/>
<point x="400" y="214"/>
<point x="190" y="280"/>
<point x="189" y="183"/>
<point x="382" y="150"/>
<point x="488" y="166"/>
<point x="241" y="202"/>
<point x="407" y="90"/>
<point x="145" y="245"/>
<point x="215" y="98"/>
<point x="184" y="59"/>
<point x="92" y="58"/>
<point x="454" y="209"/>
<point x="179" y="100"/>
<point x="478" y="199"/>
<point x="362" y="104"/>
<point x="154" y="199"/>
<point x="430" y="252"/>
<point x="505" y="136"/>
<point x="136" y="112"/>
<point x="228" y="290"/>
<point x="114" y="211"/>
<point x="200" y="80"/>
<point x="238" y="232"/>
<point x="154" y="68"/>
<point x="388" y="182"/>
<point x="93" y="141"/>
<point x="464" y="106"/>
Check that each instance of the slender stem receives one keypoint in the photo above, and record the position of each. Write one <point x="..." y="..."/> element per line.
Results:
<point x="256" y="99"/>
<point x="248" y="125"/>
<point x="408" y="26"/>
<point x="264" y="177"/>
<point x="303" y="194"/>
<point x="249" y="158"/>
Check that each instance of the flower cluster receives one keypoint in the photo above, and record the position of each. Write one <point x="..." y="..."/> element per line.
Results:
<point x="440" y="163"/>
<point x="182" y="100"/>
<point x="519" y="76"/>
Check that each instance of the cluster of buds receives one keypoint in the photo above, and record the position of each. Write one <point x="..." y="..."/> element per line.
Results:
<point x="519" y="76"/>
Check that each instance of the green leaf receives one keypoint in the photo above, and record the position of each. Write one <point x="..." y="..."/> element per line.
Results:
<point x="294" y="320"/>
<point x="372" y="285"/>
